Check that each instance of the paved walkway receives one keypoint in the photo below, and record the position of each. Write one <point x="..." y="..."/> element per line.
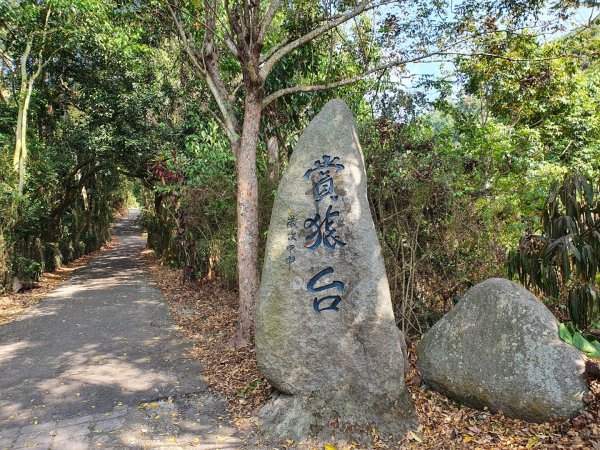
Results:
<point x="98" y="364"/>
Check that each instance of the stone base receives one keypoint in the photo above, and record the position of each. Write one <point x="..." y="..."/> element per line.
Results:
<point x="341" y="417"/>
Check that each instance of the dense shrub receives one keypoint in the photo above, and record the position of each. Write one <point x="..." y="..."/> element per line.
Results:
<point x="438" y="234"/>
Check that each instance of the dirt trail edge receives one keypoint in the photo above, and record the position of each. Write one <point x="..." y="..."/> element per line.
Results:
<point x="99" y="364"/>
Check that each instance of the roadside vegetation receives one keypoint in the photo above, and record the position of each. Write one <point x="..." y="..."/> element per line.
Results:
<point x="488" y="166"/>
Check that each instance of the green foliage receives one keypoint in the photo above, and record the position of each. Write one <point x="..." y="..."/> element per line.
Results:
<point x="191" y="219"/>
<point x="562" y="261"/>
<point x="452" y="185"/>
<point x="587" y="343"/>
<point x="81" y="137"/>
<point x="250" y="388"/>
<point x="28" y="269"/>
<point x="332" y="57"/>
<point x="566" y="332"/>
<point x="547" y="92"/>
<point x="468" y="178"/>
<point x="437" y="222"/>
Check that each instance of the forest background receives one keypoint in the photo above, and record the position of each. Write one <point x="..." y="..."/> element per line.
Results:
<point x="105" y="103"/>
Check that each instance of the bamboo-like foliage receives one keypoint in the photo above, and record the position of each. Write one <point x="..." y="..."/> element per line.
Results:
<point x="563" y="261"/>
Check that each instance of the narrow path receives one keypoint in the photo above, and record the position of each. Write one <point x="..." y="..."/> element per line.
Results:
<point x="99" y="364"/>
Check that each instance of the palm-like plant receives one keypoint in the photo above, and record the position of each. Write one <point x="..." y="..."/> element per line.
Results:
<point x="562" y="262"/>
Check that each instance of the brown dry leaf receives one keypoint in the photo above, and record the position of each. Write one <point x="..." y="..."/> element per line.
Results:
<point x="206" y="311"/>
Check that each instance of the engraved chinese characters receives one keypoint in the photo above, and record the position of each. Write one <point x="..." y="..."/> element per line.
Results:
<point x="325" y="328"/>
<point x="333" y="299"/>
<point x="292" y="237"/>
<point x="324" y="184"/>
<point x="322" y="232"/>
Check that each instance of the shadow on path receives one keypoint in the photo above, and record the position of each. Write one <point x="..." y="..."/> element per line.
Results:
<point x="100" y="344"/>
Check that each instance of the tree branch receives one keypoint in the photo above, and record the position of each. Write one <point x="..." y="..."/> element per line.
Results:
<point x="186" y="44"/>
<point x="210" y="59"/>
<point x="213" y="114"/>
<point x="321" y="87"/>
<point x="508" y="58"/>
<point x="271" y="58"/>
<point x="267" y="19"/>
<point x="24" y="57"/>
<point x="8" y="63"/>
<point x="208" y="71"/>
<point x="145" y="178"/>
<point x="72" y="191"/>
<point x="226" y="38"/>
<point x="41" y="63"/>
<point x="325" y="86"/>
<point x="219" y="93"/>
<point x="77" y="168"/>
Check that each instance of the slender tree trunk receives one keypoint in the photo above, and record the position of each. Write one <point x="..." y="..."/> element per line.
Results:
<point x="247" y="216"/>
<point x="23" y="132"/>
<point x="18" y="137"/>
<point x="20" y="154"/>
<point x="22" y="106"/>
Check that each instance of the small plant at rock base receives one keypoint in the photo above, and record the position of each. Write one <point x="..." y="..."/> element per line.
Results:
<point x="586" y="342"/>
<point x="562" y="262"/>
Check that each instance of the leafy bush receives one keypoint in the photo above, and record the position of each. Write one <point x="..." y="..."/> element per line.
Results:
<point x="28" y="269"/>
<point x="440" y="229"/>
<point x="562" y="262"/>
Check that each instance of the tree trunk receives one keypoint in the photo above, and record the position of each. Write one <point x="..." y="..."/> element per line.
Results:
<point x="247" y="216"/>
<point x="23" y="132"/>
<point x="20" y="140"/>
<point x="18" y="137"/>
<point x="22" y="106"/>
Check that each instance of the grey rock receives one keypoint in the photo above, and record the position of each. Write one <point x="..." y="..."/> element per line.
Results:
<point x="336" y="338"/>
<point x="17" y="285"/>
<point x="499" y="347"/>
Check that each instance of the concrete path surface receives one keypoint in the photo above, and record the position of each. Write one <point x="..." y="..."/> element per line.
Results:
<point x="99" y="364"/>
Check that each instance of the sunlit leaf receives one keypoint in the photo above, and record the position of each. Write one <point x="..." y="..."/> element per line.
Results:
<point x="564" y="333"/>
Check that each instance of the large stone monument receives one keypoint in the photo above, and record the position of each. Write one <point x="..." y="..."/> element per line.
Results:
<point x="326" y="337"/>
